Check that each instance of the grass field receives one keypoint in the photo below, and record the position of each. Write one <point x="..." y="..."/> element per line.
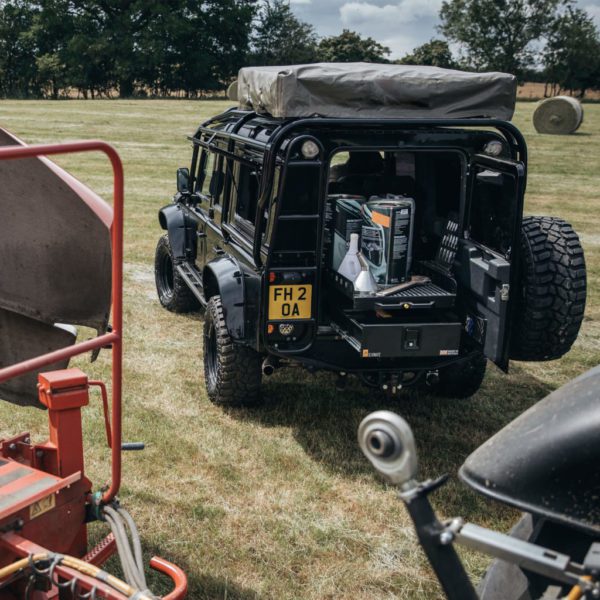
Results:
<point x="278" y="501"/>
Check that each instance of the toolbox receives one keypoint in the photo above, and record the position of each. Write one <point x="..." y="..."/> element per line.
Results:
<point x="374" y="337"/>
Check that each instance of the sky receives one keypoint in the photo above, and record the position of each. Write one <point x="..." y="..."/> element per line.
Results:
<point x="399" y="24"/>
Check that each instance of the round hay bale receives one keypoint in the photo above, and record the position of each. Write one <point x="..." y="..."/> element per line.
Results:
<point x="232" y="91"/>
<point x="559" y="116"/>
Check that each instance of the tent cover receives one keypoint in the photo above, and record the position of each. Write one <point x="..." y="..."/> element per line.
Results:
<point x="369" y="90"/>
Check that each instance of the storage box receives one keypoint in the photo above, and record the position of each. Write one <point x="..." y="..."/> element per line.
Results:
<point x="387" y="238"/>
<point x="348" y="220"/>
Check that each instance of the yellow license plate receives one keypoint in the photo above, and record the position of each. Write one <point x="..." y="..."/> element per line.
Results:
<point x="290" y="302"/>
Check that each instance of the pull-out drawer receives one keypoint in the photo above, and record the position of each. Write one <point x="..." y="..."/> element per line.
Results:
<point x="392" y="340"/>
<point x="425" y="296"/>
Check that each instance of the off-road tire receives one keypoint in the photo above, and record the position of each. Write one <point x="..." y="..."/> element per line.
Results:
<point x="462" y="379"/>
<point x="172" y="290"/>
<point x="232" y="372"/>
<point x="552" y="290"/>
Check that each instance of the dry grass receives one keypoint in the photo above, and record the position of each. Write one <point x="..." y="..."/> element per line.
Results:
<point x="278" y="501"/>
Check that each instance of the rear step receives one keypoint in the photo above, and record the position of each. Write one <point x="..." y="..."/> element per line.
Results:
<point x="192" y="278"/>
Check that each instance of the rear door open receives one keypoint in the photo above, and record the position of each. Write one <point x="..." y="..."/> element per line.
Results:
<point x="487" y="259"/>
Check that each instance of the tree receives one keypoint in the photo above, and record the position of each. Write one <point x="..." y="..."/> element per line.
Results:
<point x="498" y="34"/>
<point x="435" y="53"/>
<point x="572" y="54"/>
<point x="17" y="50"/>
<point x="50" y="31"/>
<point x="350" y="47"/>
<point x="280" y="38"/>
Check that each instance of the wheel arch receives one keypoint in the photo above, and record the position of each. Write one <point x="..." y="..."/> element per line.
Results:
<point x="226" y="278"/>
<point x="173" y="220"/>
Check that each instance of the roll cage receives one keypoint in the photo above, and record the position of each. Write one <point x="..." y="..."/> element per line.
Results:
<point x="261" y="142"/>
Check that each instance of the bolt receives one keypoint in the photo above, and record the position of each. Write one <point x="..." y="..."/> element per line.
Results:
<point x="12" y="447"/>
<point x="39" y="453"/>
<point x="446" y="538"/>
<point x="27" y="440"/>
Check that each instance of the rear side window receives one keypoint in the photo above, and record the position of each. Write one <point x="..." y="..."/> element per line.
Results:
<point x="245" y="185"/>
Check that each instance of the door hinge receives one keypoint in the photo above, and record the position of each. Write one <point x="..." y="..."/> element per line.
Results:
<point x="505" y="292"/>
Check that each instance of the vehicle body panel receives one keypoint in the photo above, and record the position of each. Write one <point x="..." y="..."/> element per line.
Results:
<point x="546" y="461"/>
<point x="281" y="243"/>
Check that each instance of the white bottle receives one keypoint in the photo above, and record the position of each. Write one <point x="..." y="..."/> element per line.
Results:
<point x="365" y="282"/>
<point x="350" y="266"/>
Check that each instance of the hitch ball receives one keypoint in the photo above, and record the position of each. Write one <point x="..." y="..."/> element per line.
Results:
<point x="432" y="378"/>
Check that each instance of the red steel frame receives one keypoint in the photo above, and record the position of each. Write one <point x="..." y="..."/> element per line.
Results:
<point x="114" y="339"/>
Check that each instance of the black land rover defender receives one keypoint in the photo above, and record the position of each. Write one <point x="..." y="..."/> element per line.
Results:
<point x="455" y="275"/>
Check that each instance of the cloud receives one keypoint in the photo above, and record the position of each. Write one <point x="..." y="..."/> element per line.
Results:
<point x="407" y="11"/>
<point x="401" y="25"/>
<point x="593" y="9"/>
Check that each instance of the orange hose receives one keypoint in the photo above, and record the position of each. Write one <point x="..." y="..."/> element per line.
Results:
<point x="576" y="593"/>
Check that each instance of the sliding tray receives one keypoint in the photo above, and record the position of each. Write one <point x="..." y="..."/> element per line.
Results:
<point x="423" y="296"/>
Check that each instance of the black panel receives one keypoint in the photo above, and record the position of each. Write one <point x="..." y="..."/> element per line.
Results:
<point x="422" y="339"/>
<point x="546" y="461"/>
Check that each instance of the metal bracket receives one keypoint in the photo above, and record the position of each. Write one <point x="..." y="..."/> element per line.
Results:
<point x="524" y="554"/>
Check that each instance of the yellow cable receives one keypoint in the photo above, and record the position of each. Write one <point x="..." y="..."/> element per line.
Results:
<point x="76" y="564"/>
<point x="21" y="564"/>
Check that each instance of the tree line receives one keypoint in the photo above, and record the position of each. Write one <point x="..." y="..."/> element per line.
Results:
<point x="92" y="48"/>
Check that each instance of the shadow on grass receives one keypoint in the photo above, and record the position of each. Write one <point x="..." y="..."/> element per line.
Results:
<point x="201" y="586"/>
<point x="325" y="421"/>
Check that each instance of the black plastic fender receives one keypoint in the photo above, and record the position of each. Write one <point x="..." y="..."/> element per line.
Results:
<point x="173" y="220"/>
<point x="225" y="277"/>
<point x="546" y="461"/>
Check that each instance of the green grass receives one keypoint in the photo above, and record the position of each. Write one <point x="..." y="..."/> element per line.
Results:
<point x="278" y="502"/>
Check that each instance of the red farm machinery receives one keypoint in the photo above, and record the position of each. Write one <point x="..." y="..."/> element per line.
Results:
<point x="62" y="251"/>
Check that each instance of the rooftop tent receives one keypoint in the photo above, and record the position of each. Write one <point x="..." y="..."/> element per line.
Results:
<point x="368" y="90"/>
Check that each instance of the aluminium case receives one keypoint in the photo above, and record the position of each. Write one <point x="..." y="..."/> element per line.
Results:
<point x="368" y="90"/>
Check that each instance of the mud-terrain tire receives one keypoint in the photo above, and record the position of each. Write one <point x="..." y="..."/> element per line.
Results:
<point x="172" y="290"/>
<point x="232" y="372"/>
<point x="462" y="379"/>
<point x="552" y="290"/>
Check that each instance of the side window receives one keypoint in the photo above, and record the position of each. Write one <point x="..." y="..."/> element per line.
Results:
<point x="271" y="211"/>
<point x="205" y="173"/>
<point x="217" y="182"/>
<point x="210" y="178"/>
<point x="245" y="184"/>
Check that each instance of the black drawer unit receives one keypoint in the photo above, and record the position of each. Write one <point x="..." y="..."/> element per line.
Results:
<point x="383" y="339"/>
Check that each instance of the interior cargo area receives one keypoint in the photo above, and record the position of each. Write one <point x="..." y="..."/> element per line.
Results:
<point x="391" y="234"/>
